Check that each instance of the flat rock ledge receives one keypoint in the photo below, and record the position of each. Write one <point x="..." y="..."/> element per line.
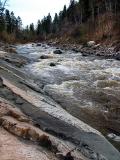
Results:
<point x="58" y="131"/>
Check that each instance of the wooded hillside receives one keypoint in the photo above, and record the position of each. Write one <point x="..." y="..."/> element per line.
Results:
<point x="10" y="26"/>
<point x="83" y="20"/>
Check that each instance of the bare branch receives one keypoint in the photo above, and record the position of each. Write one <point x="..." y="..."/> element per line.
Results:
<point x="3" y="4"/>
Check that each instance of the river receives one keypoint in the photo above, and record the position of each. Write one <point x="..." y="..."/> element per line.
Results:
<point x="86" y="87"/>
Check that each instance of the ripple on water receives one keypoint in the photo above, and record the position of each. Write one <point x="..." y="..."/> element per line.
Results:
<point x="107" y="83"/>
<point x="81" y="79"/>
<point x="77" y="82"/>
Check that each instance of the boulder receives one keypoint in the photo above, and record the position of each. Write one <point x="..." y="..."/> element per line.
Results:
<point x="91" y="43"/>
<point x="75" y="50"/>
<point x="58" y="51"/>
<point x="117" y="56"/>
<point x="52" y="64"/>
<point x="45" y="57"/>
<point x="85" y="54"/>
<point x="38" y="44"/>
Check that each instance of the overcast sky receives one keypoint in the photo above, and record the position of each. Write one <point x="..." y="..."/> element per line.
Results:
<point x="32" y="10"/>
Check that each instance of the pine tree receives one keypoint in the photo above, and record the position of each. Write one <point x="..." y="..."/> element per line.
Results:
<point x="71" y="12"/>
<point x="19" y="21"/>
<point x="55" y="26"/>
<point x="48" y="24"/>
<point x="13" y="22"/>
<point x="8" y="21"/>
<point x="2" y="23"/>
<point x="39" y="28"/>
<point x="32" y="29"/>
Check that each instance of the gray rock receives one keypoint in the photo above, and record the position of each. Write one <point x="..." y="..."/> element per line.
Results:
<point x="91" y="43"/>
<point x="85" y="54"/>
<point x="58" y="51"/>
<point x="19" y="101"/>
<point x="44" y="57"/>
<point x="52" y="64"/>
<point x="7" y="94"/>
<point x="38" y="44"/>
<point x="11" y="97"/>
<point x="117" y="56"/>
<point x="75" y="50"/>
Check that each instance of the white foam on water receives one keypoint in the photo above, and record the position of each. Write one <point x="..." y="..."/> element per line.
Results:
<point x="114" y="137"/>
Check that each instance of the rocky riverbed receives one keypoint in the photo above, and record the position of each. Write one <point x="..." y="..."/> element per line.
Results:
<point x="52" y="96"/>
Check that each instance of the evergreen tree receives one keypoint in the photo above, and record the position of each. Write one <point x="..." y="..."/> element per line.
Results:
<point x="71" y="12"/>
<point x="55" y="26"/>
<point x="13" y="22"/>
<point x="46" y="24"/>
<point x="2" y="23"/>
<point x="32" y="29"/>
<point x="19" y="21"/>
<point x="39" y="28"/>
<point x="64" y="12"/>
<point x="8" y="21"/>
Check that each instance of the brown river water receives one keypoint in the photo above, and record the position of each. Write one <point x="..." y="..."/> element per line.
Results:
<point x="86" y="87"/>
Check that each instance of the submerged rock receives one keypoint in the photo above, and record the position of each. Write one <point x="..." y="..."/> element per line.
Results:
<point x="58" y="51"/>
<point x="75" y="50"/>
<point x="38" y="44"/>
<point x="85" y="54"/>
<point x="45" y="57"/>
<point x="52" y="64"/>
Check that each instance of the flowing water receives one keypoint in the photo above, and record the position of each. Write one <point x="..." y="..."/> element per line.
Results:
<point x="87" y="87"/>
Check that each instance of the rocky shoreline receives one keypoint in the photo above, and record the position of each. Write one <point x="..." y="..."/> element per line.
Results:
<point x="30" y="114"/>
<point x="90" y="49"/>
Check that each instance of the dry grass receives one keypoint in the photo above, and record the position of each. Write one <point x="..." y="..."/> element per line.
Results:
<point x="105" y="29"/>
<point x="9" y="38"/>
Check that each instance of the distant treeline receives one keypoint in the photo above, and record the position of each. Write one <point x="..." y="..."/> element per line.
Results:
<point x="10" y="25"/>
<point x="76" y="14"/>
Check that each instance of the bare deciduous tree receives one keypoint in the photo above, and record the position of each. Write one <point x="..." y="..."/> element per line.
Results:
<point x="2" y="5"/>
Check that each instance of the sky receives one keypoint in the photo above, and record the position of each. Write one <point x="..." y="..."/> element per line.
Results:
<point x="32" y="10"/>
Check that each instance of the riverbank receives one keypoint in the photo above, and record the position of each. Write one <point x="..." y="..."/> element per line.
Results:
<point x="21" y="119"/>
<point x="20" y="89"/>
<point x="90" y="49"/>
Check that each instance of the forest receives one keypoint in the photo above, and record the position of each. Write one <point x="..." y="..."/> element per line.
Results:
<point x="81" y="21"/>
